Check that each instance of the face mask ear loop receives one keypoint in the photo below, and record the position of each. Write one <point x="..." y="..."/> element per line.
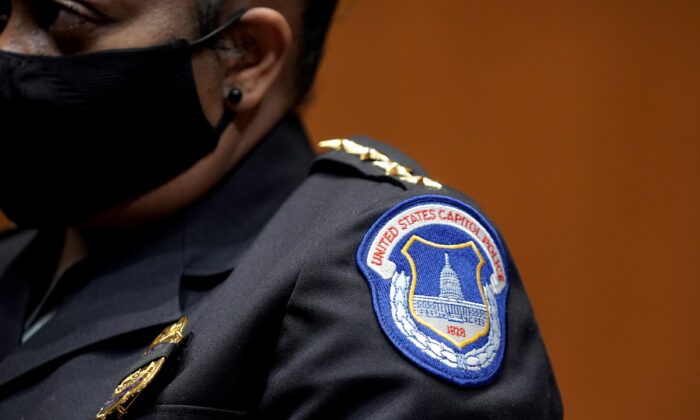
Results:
<point x="211" y="37"/>
<point x="225" y="120"/>
<point x="206" y="42"/>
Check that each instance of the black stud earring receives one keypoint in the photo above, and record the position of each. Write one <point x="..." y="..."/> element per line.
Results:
<point x="235" y="96"/>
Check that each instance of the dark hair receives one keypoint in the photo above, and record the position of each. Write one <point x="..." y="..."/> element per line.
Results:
<point x="316" y="21"/>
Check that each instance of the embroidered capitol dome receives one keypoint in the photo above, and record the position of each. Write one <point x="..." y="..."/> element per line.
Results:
<point x="450" y="287"/>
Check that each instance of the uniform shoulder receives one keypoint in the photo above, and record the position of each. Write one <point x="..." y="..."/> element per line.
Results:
<point x="366" y="155"/>
<point x="408" y="281"/>
<point x="375" y="174"/>
<point x="372" y="159"/>
<point x="356" y="184"/>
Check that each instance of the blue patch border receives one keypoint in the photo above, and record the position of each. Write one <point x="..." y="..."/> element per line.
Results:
<point x="462" y="378"/>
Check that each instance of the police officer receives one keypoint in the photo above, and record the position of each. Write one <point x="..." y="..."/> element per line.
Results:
<point x="181" y="252"/>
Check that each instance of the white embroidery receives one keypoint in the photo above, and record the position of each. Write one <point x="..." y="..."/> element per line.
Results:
<point x="393" y="231"/>
<point x="473" y="360"/>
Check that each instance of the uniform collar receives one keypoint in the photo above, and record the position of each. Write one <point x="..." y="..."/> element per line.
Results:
<point x="135" y="284"/>
<point x="222" y="226"/>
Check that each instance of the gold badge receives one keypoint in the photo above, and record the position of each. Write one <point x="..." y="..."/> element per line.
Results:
<point x="130" y="388"/>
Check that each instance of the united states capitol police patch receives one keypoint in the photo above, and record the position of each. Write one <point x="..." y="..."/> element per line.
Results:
<point x="438" y="275"/>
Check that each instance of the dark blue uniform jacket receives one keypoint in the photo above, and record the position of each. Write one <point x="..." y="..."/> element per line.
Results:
<point x="281" y="320"/>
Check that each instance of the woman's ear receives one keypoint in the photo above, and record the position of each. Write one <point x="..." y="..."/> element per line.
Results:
<point x="255" y="56"/>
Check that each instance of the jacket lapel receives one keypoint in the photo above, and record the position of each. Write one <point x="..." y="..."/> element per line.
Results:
<point x="104" y="300"/>
<point x="14" y="289"/>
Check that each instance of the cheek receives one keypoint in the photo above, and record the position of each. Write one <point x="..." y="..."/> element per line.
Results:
<point x="209" y="83"/>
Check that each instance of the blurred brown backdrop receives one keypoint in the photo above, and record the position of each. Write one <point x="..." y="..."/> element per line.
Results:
<point x="576" y="126"/>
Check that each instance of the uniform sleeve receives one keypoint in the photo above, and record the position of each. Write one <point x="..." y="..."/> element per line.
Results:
<point x="334" y="361"/>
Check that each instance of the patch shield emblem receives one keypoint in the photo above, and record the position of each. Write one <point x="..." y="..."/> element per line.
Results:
<point x="438" y="276"/>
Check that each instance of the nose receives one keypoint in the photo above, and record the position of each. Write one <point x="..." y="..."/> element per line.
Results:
<point x="23" y="35"/>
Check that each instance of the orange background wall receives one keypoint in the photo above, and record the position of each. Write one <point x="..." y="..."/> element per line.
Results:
<point x="576" y="126"/>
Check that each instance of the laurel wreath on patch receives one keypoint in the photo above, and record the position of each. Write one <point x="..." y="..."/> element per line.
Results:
<point x="473" y="360"/>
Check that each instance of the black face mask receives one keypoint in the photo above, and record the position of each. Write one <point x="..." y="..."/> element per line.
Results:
<point x="81" y="133"/>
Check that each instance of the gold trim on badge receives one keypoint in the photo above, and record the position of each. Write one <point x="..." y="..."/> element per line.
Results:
<point x="130" y="388"/>
<point x="379" y="160"/>
<point x="414" y="283"/>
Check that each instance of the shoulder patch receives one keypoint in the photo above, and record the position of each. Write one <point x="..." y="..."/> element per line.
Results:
<point x="438" y="275"/>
